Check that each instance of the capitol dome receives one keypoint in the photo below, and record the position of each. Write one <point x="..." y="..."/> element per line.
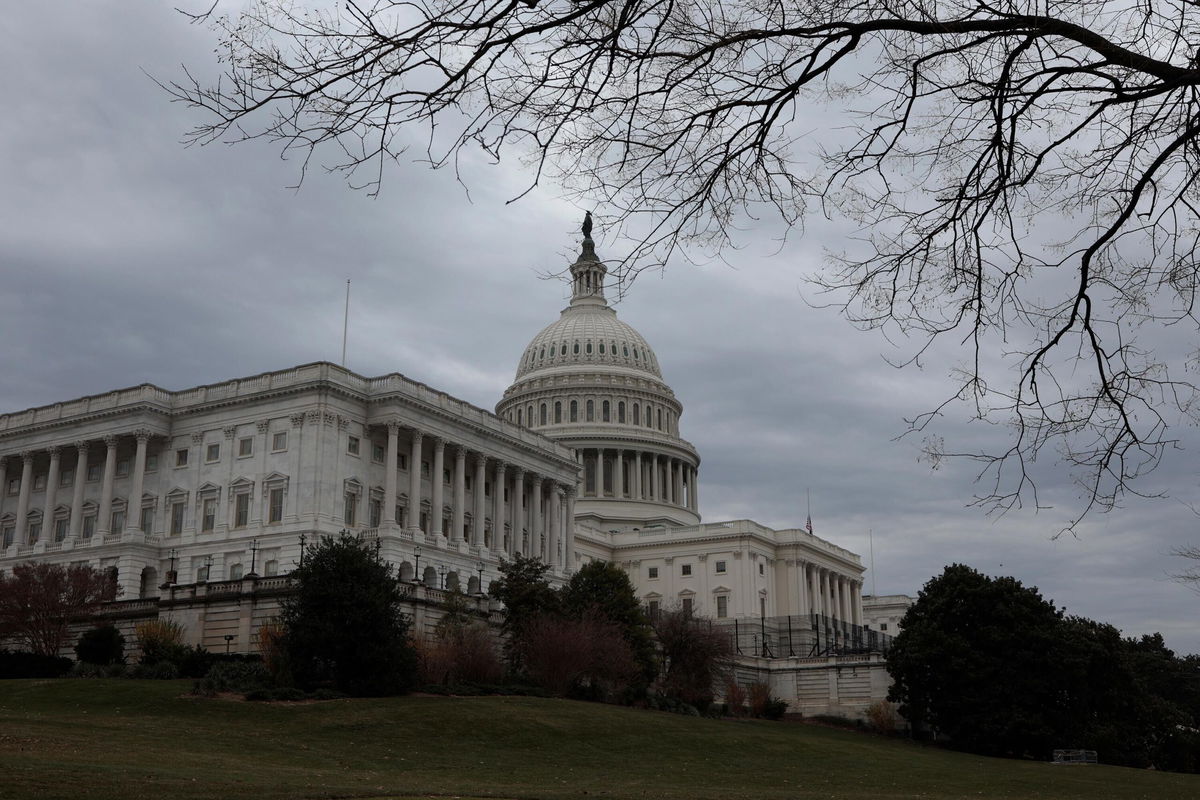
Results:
<point x="593" y="383"/>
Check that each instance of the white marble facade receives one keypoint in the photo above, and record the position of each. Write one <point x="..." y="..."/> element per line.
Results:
<point x="582" y="460"/>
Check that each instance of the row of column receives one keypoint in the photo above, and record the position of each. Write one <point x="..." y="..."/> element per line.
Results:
<point x="831" y="594"/>
<point x="104" y="521"/>
<point x="551" y="504"/>
<point x="638" y="475"/>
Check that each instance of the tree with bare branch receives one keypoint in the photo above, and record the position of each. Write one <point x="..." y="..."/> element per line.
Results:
<point x="38" y="601"/>
<point x="1021" y="177"/>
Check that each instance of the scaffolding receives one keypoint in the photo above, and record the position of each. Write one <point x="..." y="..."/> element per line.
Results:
<point x="803" y="636"/>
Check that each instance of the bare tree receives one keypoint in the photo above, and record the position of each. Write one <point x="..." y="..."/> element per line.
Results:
<point x="1022" y="175"/>
<point x="39" y="600"/>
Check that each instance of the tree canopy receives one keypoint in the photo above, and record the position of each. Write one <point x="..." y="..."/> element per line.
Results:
<point x="343" y="624"/>
<point x="999" y="670"/>
<point x="38" y="601"/>
<point x="1020" y="177"/>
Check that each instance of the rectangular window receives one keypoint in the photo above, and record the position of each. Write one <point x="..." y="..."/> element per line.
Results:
<point x="61" y="527"/>
<point x="720" y="567"/>
<point x="245" y="446"/>
<point x="446" y="477"/>
<point x="275" y="502"/>
<point x="181" y="458"/>
<point x="760" y="568"/>
<point x="374" y="513"/>
<point x="235" y="572"/>
<point x="424" y="469"/>
<point x="402" y="461"/>
<point x="34" y="532"/>
<point x="241" y="510"/>
<point x="14" y="486"/>
<point x="687" y="605"/>
<point x="208" y="514"/>
<point x="467" y="481"/>
<point x="67" y="477"/>
<point x="7" y="533"/>
<point x="123" y="468"/>
<point x="152" y="463"/>
<point x="177" y="512"/>
<point x="722" y="606"/>
<point x="39" y="482"/>
<point x="685" y="570"/>
<point x="652" y="573"/>
<point x="118" y="522"/>
<point x="378" y="453"/>
<point x="401" y="519"/>
<point x="89" y="526"/>
<point x="147" y="520"/>
<point x="352" y="445"/>
<point x="883" y="626"/>
<point x="279" y="442"/>
<point x="349" y="508"/>
<point x="212" y="453"/>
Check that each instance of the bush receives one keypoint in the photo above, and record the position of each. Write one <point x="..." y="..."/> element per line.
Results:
<point x="882" y="717"/>
<point x="735" y="698"/>
<point x="464" y="655"/>
<point x="158" y="671"/>
<point x="562" y="655"/>
<point x="82" y="669"/>
<point x="101" y="645"/>
<point x="233" y="676"/>
<point x="273" y="650"/>
<point x="774" y="708"/>
<point x="758" y="696"/>
<point x="160" y="640"/>
<point x="21" y="664"/>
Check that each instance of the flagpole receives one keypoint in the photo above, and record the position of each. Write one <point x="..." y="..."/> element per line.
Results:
<point x="346" y="322"/>
<point x="871" y="536"/>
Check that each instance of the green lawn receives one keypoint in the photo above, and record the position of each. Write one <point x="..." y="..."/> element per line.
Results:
<point x="143" y="739"/>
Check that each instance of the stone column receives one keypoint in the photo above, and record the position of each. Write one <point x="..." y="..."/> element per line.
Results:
<point x="81" y="463"/>
<point x="23" y="497"/>
<point x="104" y="522"/>
<point x="458" y="515"/>
<point x="844" y="591"/>
<point x="856" y="602"/>
<point x="133" y="507"/>
<point x="535" y="516"/>
<point x="3" y="483"/>
<point x="814" y="590"/>
<point x="655" y="479"/>
<point x="569" y="533"/>
<point x="498" y="482"/>
<point x="51" y="494"/>
<point x="436" y="475"/>
<point x="389" y="474"/>
<point x="619" y="475"/>
<point x="414" y="483"/>
<point x="637" y="475"/>
<point x="480" y="513"/>
<point x="597" y="475"/>
<point x="555" y="533"/>
<point x="518" y="513"/>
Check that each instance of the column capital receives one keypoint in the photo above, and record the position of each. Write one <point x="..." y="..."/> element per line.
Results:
<point x="111" y="440"/>
<point x="230" y="431"/>
<point x="438" y="443"/>
<point x="499" y="463"/>
<point x="559" y="489"/>
<point x="460" y="452"/>
<point x="393" y="426"/>
<point x="417" y="434"/>
<point x="297" y="420"/>
<point x="571" y="492"/>
<point x="197" y="437"/>
<point x="54" y="450"/>
<point x="518" y="471"/>
<point x="262" y="425"/>
<point x="142" y="434"/>
<point x="82" y="446"/>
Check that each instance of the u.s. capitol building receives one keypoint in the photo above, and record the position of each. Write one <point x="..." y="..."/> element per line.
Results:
<point x="201" y="500"/>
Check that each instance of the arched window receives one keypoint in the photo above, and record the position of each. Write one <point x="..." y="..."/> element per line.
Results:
<point x="529" y="414"/>
<point x="574" y="411"/>
<point x="591" y="411"/>
<point x="602" y="348"/>
<point x="519" y="417"/>
<point x="576" y="348"/>
<point x="235" y="572"/>
<point x="604" y="415"/>
<point x="621" y="411"/>
<point x="542" y="353"/>
<point x="635" y="353"/>
<point x="563" y="352"/>
<point x="637" y="418"/>
<point x="557" y="412"/>
<point x="542" y="414"/>
<point x="649" y="417"/>
<point x="625" y="350"/>
<point x="660" y="419"/>
<point x="589" y="347"/>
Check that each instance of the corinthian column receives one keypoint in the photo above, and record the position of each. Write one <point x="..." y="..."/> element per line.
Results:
<point x="498" y="479"/>
<point x="516" y="543"/>
<point x="133" y="509"/>
<point x="414" y="483"/>
<point x="555" y="535"/>
<point x="569" y="533"/>
<point x="535" y="516"/>
<point x="104" y="523"/>
<point x="458" y="515"/>
<point x="389" y="474"/>
<point x="81" y="463"/>
<point x="51" y="495"/>
<point x="480" y="512"/>
<point x="439" y="467"/>
<point x="23" y="497"/>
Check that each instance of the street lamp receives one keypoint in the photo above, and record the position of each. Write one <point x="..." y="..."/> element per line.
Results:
<point x="441" y="576"/>
<point x="479" y="569"/>
<point x="253" y="558"/>
<point x="417" y="571"/>
<point x="229" y="637"/>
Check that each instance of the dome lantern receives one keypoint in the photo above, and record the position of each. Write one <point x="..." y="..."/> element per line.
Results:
<point x="588" y="271"/>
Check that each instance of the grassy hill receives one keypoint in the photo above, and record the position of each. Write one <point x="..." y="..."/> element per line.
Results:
<point x="142" y="739"/>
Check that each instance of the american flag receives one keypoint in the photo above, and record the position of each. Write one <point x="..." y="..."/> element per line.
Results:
<point x="808" y="524"/>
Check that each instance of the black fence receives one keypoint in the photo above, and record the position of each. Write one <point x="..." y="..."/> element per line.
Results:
<point x="804" y="636"/>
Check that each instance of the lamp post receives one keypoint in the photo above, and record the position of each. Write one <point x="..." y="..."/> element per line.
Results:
<point x="207" y="568"/>
<point x="253" y="558"/>
<point x="302" y="539"/>
<point x="229" y="637"/>
<point x="441" y="576"/>
<point x="479" y="569"/>
<point x="417" y="571"/>
<point x="172" y="576"/>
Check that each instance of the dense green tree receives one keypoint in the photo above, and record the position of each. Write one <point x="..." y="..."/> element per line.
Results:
<point x="979" y="660"/>
<point x="525" y="591"/>
<point x="604" y="590"/>
<point x="343" y="624"/>
<point x="101" y="645"/>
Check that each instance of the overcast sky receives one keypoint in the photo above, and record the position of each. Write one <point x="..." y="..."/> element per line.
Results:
<point x="128" y="258"/>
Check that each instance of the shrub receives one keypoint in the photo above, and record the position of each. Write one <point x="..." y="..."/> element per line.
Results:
<point x="158" y="671"/>
<point x="758" y="696"/>
<point x="233" y="676"/>
<point x="21" y="664"/>
<point x="774" y="709"/>
<point x="464" y="655"/>
<point x="159" y="640"/>
<point x="273" y="649"/>
<point x="695" y="655"/>
<point x="881" y="716"/>
<point x="101" y="645"/>
<point x="82" y="669"/>
<point x="735" y="698"/>
<point x="562" y="654"/>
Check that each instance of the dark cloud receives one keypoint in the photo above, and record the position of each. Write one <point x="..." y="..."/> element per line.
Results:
<point x="130" y="258"/>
